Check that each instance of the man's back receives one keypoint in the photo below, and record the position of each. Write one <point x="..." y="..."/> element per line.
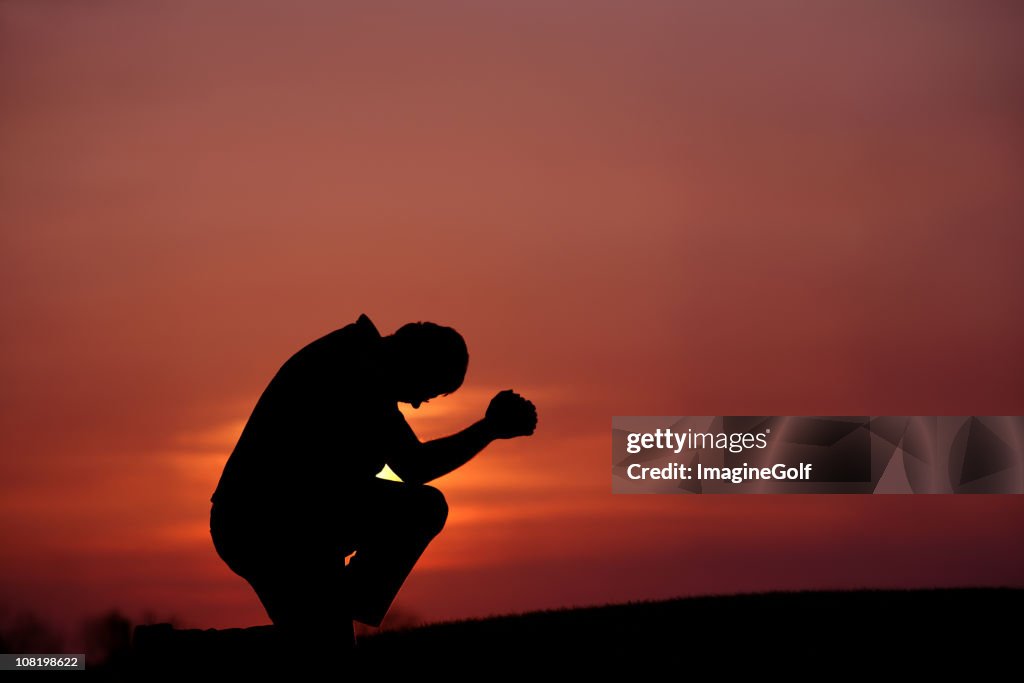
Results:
<point x="317" y="428"/>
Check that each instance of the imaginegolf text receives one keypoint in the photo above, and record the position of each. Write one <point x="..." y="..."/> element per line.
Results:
<point x="736" y="475"/>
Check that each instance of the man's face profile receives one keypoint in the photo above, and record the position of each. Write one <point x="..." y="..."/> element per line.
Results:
<point x="418" y="384"/>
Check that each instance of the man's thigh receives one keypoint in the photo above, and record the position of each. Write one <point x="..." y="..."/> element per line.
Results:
<point x="389" y="507"/>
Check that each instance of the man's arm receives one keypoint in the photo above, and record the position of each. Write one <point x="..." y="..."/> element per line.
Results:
<point x="509" y="415"/>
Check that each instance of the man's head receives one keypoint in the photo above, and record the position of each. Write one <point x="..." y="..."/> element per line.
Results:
<point x="425" y="360"/>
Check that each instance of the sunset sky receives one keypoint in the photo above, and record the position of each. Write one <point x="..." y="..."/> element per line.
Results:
<point x="627" y="208"/>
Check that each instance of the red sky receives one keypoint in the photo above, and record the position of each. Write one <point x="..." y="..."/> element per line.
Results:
<point x="626" y="208"/>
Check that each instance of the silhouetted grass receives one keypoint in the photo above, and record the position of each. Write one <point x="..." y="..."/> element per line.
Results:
<point x="926" y="630"/>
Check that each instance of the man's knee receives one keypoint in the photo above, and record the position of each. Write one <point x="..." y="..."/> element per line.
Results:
<point x="432" y="510"/>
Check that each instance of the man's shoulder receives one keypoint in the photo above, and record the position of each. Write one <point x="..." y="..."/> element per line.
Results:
<point x="352" y="341"/>
<point x="361" y="331"/>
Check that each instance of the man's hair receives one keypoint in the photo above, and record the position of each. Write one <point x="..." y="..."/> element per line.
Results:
<point x="441" y="348"/>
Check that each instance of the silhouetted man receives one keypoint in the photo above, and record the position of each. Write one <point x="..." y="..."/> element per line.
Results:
<point x="299" y="493"/>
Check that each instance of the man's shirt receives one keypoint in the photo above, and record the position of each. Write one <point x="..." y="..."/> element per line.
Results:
<point x="321" y="427"/>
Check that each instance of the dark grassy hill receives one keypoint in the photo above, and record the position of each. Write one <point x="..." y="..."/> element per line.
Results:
<point x="921" y="630"/>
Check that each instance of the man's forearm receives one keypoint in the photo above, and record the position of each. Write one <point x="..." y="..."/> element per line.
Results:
<point x="437" y="458"/>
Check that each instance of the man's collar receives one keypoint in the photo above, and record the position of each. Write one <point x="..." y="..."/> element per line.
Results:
<point x="366" y="326"/>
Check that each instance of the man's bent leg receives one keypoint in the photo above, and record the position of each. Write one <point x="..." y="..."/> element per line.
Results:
<point x="401" y="520"/>
<point x="309" y="605"/>
<point x="298" y="578"/>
